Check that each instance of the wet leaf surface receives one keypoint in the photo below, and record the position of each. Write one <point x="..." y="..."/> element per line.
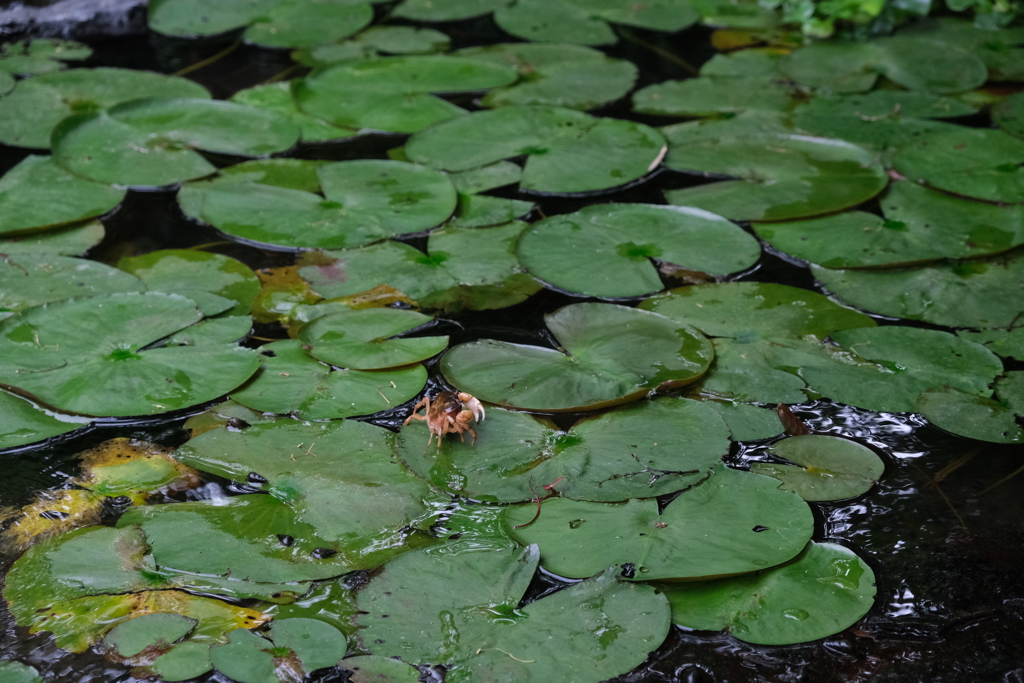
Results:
<point x="823" y="591"/>
<point x="55" y="352"/>
<point x="584" y="21"/>
<point x="713" y="529"/>
<point x="277" y="97"/>
<point x="827" y="467"/>
<point x="196" y="275"/>
<point x="37" y="105"/>
<point x="152" y="143"/>
<point x="41" y="55"/>
<point x="23" y="423"/>
<point x="567" y="151"/>
<point x="606" y="250"/>
<point x="367" y="339"/>
<point x="970" y="415"/>
<point x="610" y="355"/>
<point x="28" y="280"/>
<point x="292" y="23"/>
<point x="71" y="240"/>
<point x="363" y="201"/>
<point x="483" y="634"/>
<point x="293" y="382"/>
<point x="129" y="638"/>
<point x="644" y="450"/>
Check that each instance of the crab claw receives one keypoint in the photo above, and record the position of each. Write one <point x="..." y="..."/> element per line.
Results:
<point x="472" y="404"/>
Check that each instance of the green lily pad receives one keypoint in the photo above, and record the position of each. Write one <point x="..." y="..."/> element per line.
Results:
<point x="584" y="21"/>
<point x="223" y="329"/>
<point x="393" y="93"/>
<point x="610" y="355"/>
<point x="158" y="630"/>
<point x="763" y="62"/>
<point x="969" y="294"/>
<point x="976" y="162"/>
<point x="234" y="538"/>
<point x="70" y="240"/>
<point x="919" y="225"/>
<point x="712" y="530"/>
<point x="997" y="49"/>
<point x="748" y="422"/>
<point x="644" y="450"/>
<point x="366" y="339"/>
<point x="761" y="370"/>
<point x="55" y="352"/>
<point x="605" y="250"/>
<point x="294" y="23"/>
<point x="904" y="361"/>
<point x="124" y="467"/>
<point x="341" y="477"/>
<point x="967" y="414"/>
<point x="482" y="633"/>
<point x="1009" y="115"/>
<point x="292" y="382"/>
<point x="153" y="142"/>
<point x="827" y="467"/>
<point x="32" y="110"/>
<point x="826" y="589"/>
<point x="374" y="669"/>
<point x="445" y="10"/>
<point x="1003" y="343"/>
<point x="467" y="268"/>
<point x="28" y="280"/>
<point x="296" y="647"/>
<point x="277" y="97"/>
<point x="1010" y="390"/>
<point x="193" y="18"/>
<point x="709" y="95"/>
<point x="369" y="44"/>
<point x="23" y="423"/>
<point x="16" y="672"/>
<point x="7" y="83"/>
<point x="749" y="311"/>
<point x="559" y="75"/>
<point x="363" y="201"/>
<point x="31" y="57"/>
<point x="197" y="275"/>
<point x="567" y="151"/>
<point x="914" y="62"/>
<point x="39" y="194"/>
<point x="777" y="176"/>
<point x="190" y="659"/>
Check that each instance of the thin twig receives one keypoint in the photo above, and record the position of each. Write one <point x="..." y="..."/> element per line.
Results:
<point x="941" y="493"/>
<point x="1005" y="479"/>
<point x="209" y="60"/>
<point x="280" y="76"/>
<point x="676" y="59"/>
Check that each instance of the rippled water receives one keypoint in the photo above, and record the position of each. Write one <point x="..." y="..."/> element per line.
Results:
<point x="945" y="541"/>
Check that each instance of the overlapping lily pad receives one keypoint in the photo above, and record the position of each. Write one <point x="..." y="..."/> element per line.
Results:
<point x="709" y="95"/>
<point x="483" y="635"/>
<point x="367" y="339"/>
<point x="605" y="250"/>
<point x="823" y="591"/>
<point x="158" y="629"/>
<point x="192" y="18"/>
<point x="31" y="57"/>
<point x="567" y="151"/>
<point x="747" y="311"/>
<point x="587" y="21"/>
<point x="37" y="105"/>
<point x="153" y="142"/>
<point x="1003" y="343"/>
<point x="276" y="202"/>
<point x="902" y="363"/>
<point x="393" y="93"/>
<point x="556" y="74"/>
<point x="733" y="523"/>
<point x="294" y="23"/>
<point x="473" y="268"/>
<point x="446" y="10"/>
<point x="55" y="352"/>
<point x="340" y="477"/>
<point x="914" y="62"/>
<point x="396" y="40"/>
<point x="295" y="648"/>
<point x="38" y="194"/>
<point x="28" y="280"/>
<point x="777" y="176"/>
<point x="23" y="423"/>
<point x="641" y="451"/>
<point x="209" y="279"/>
<point x="827" y="467"/>
<point x="997" y="49"/>
<point x="610" y="355"/>
<point x="277" y="97"/>
<point x="968" y="294"/>
<point x="919" y="225"/>
<point x="976" y="162"/>
<point x="16" y="672"/>
<point x="292" y="382"/>
<point x="70" y="240"/>
<point x="967" y="414"/>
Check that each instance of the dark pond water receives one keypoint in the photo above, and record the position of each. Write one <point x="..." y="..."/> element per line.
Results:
<point x="942" y="530"/>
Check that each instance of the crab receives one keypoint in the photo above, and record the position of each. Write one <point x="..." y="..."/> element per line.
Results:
<point x="448" y="412"/>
